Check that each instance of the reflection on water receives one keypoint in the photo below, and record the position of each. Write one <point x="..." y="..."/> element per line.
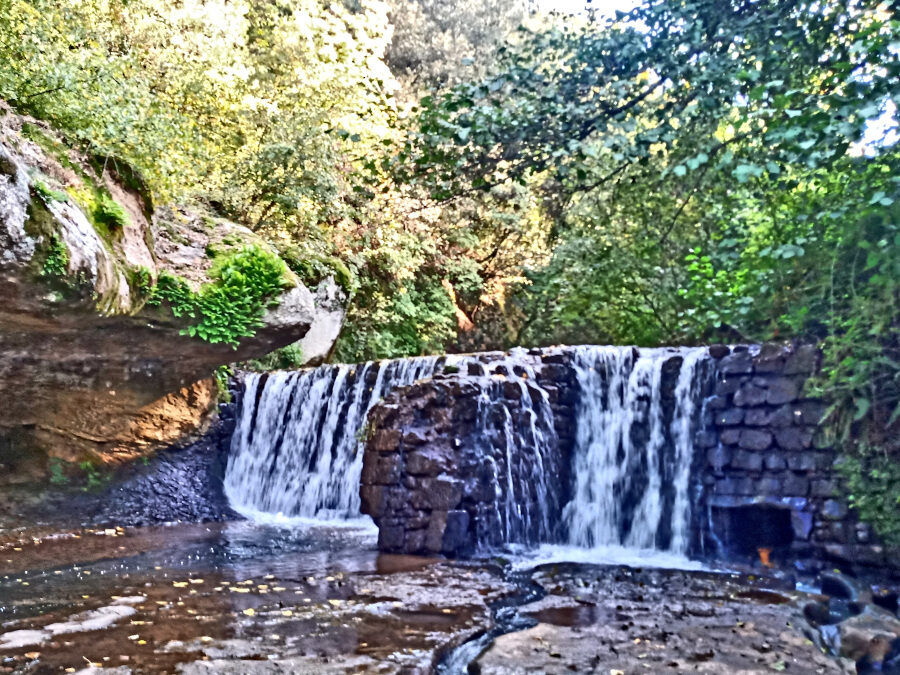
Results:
<point x="316" y="598"/>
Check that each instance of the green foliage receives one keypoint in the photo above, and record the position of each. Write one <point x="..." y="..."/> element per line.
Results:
<point x="223" y="374"/>
<point x="57" y="469"/>
<point x="286" y="358"/>
<point x="48" y="194"/>
<point x="873" y="481"/>
<point x="244" y="284"/>
<point x="312" y="269"/>
<point x="56" y="262"/>
<point x="140" y="282"/>
<point x="109" y="213"/>
<point x="95" y="478"/>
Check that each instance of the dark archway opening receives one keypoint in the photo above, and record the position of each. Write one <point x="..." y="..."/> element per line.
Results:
<point x="742" y="531"/>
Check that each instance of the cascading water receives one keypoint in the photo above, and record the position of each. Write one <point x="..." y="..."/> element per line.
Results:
<point x="295" y="451"/>
<point x="634" y="448"/>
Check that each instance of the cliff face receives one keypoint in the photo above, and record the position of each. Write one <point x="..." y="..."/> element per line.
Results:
<point x="89" y="370"/>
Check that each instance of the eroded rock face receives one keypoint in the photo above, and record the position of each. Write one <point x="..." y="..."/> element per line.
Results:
<point x="88" y="371"/>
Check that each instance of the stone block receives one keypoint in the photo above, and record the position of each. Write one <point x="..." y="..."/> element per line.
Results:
<point x="734" y="486"/>
<point x="719" y="457"/>
<point x="823" y="488"/>
<point x="373" y="501"/>
<point x="381" y="470"/>
<point x="804" y="361"/>
<point x="730" y="436"/>
<point x="749" y="395"/>
<point x="414" y="437"/>
<point x="775" y="462"/>
<point x="802" y="461"/>
<point x="717" y="402"/>
<point x="719" y="351"/>
<point x="414" y="541"/>
<point x="391" y="537"/>
<point x="386" y="440"/>
<point x="757" y="417"/>
<point x="793" y="438"/>
<point x="429" y="461"/>
<point x="770" y="359"/>
<point x="737" y="363"/>
<point x="434" y="534"/>
<point x="755" y="439"/>
<point x="795" y="486"/>
<point x="784" y="416"/>
<point x="456" y="532"/>
<point x="728" y="384"/>
<point x="706" y="439"/>
<point x="833" y="509"/>
<point x="768" y="487"/>
<point x="782" y="390"/>
<point x="747" y="461"/>
<point x="729" y="418"/>
<point x="438" y="494"/>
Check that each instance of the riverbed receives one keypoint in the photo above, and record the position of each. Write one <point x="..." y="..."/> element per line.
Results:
<point x="241" y="597"/>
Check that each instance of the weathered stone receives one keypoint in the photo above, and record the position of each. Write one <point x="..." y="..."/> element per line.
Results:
<point x="781" y="390"/>
<point x="386" y="440"/>
<point x="795" y="486"/>
<point x="768" y="486"/>
<point x="730" y="436"/>
<point x="737" y="363"/>
<point x="429" y="461"/>
<point x="834" y="510"/>
<point x="757" y="417"/>
<point x="784" y="416"/>
<point x="734" y="486"/>
<point x="823" y="488"/>
<point x="803" y="461"/>
<point x="438" y="494"/>
<point x="456" y="532"/>
<point x="391" y="537"/>
<point x="747" y="461"/>
<point x="770" y="359"/>
<point x="705" y="439"/>
<point x="719" y="351"/>
<point x="749" y="395"/>
<point x="719" y="457"/>
<point x="727" y="385"/>
<point x="804" y="360"/>
<point x="434" y="536"/>
<point x="383" y="470"/>
<point x="717" y="403"/>
<point x="414" y="437"/>
<point x="775" y="462"/>
<point x="840" y="586"/>
<point x="793" y="438"/>
<point x="755" y="439"/>
<point x="730" y="417"/>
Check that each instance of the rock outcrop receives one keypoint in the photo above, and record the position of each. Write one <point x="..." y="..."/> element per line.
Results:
<point x="88" y="369"/>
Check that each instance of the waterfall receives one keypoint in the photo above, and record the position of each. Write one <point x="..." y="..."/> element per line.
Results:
<point x="633" y="448"/>
<point x="295" y="450"/>
<point x="516" y="436"/>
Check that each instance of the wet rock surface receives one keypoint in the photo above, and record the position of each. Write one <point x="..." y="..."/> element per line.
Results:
<point x="232" y="598"/>
<point x="607" y="620"/>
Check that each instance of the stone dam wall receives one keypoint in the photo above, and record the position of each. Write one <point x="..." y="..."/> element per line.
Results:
<point x="763" y="474"/>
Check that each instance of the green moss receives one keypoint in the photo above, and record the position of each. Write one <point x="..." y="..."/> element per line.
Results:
<point x="48" y="194"/>
<point x="111" y="214"/>
<point x="56" y="262"/>
<point x="313" y="269"/>
<point x="244" y="284"/>
<point x="286" y="358"/>
<point x="223" y="373"/>
<point x="140" y="281"/>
